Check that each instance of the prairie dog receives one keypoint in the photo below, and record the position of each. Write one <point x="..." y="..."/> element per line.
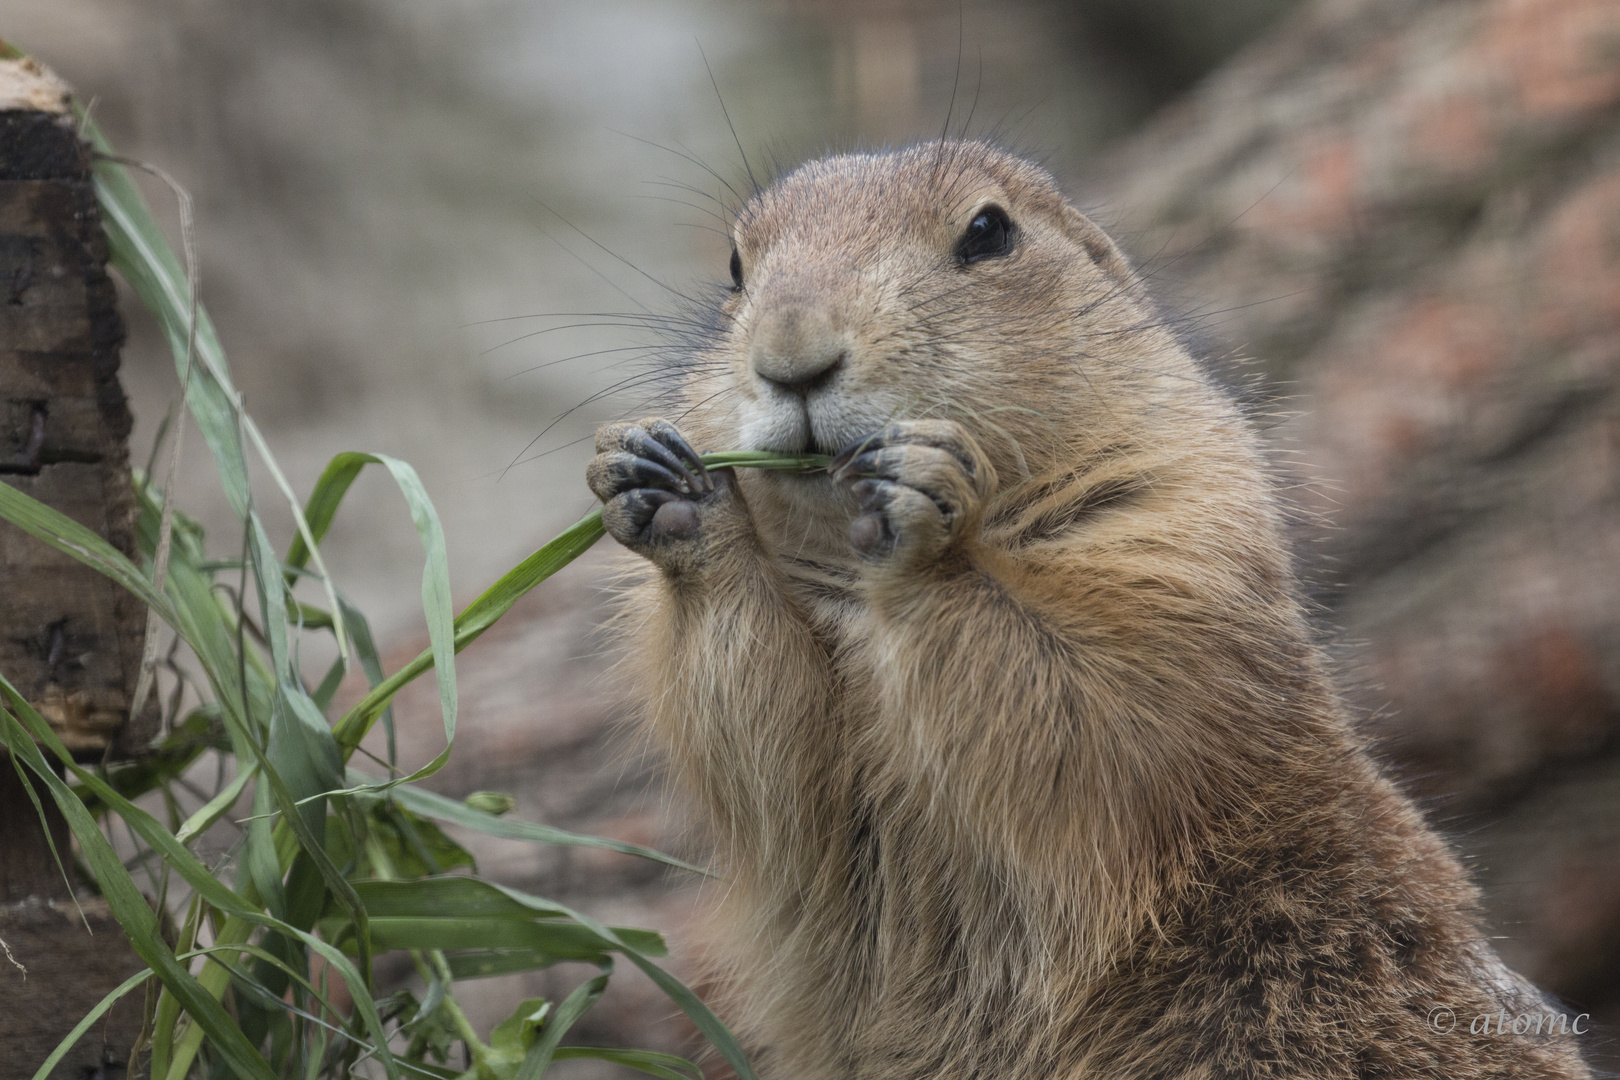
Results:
<point x="1016" y="752"/>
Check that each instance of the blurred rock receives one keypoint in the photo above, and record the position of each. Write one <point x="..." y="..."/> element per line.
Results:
<point x="1408" y="214"/>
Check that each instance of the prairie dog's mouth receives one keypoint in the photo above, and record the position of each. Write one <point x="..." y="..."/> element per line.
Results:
<point x="821" y="424"/>
<point x="776" y="427"/>
<point x="819" y="445"/>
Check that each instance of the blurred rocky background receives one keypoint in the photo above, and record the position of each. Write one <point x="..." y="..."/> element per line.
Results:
<point x="1408" y="215"/>
<point x="440" y="230"/>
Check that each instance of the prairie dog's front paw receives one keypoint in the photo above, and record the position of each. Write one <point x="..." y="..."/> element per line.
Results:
<point x="654" y="489"/>
<point x="921" y="486"/>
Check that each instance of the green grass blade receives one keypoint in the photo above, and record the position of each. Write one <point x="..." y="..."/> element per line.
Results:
<point x="327" y="688"/>
<point x="452" y="897"/>
<point x="206" y="620"/>
<point x="141" y="254"/>
<point x="300" y="761"/>
<point x="304" y="754"/>
<point x="437" y="605"/>
<point x="214" y="809"/>
<point x="274" y="469"/>
<point x="767" y="459"/>
<point x="323" y="502"/>
<point x="365" y="650"/>
<point x="292" y="973"/>
<point x="512" y="586"/>
<point x="498" y="599"/>
<point x="314" y="843"/>
<point x="433" y="805"/>
<point x="436" y="601"/>
<point x="481" y="963"/>
<point x="260" y="860"/>
<point x="565" y="941"/>
<point x="678" y="992"/>
<point x="267" y="581"/>
<point x="568" y="1013"/>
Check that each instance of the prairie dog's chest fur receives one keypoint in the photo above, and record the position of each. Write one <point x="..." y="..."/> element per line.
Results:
<point x="831" y="605"/>
<point x="1009" y="734"/>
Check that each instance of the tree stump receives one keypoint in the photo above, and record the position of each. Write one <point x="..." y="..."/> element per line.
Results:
<point x="70" y="640"/>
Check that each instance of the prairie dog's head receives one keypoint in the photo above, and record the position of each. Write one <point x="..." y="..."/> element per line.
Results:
<point x="949" y="279"/>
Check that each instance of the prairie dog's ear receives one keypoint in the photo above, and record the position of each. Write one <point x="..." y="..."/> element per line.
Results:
<point x="1102" y="249"/>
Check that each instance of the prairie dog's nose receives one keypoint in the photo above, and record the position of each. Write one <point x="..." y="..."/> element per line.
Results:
<point x="797" y="346"/>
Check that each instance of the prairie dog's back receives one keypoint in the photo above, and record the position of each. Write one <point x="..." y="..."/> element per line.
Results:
<point x="1009" y="731"/>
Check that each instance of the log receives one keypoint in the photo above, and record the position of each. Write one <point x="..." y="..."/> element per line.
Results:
<point x="70" y="640"/>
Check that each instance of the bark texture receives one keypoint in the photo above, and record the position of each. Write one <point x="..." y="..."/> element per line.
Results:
<point x="74" y="955"/>
<point x="70" y="640"/>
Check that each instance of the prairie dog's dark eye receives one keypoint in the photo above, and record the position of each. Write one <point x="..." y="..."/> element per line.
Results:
<point x="736" y="271"/>
<point x="988" y="234"/>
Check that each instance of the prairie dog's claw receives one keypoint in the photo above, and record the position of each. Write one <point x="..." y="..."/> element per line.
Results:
<point x="667" y="435"/>
<point x="920" y="484"/>
<point x="653" y="486"/>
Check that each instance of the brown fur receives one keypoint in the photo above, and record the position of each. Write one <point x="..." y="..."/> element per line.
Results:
<point x="1050" y="782"/>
